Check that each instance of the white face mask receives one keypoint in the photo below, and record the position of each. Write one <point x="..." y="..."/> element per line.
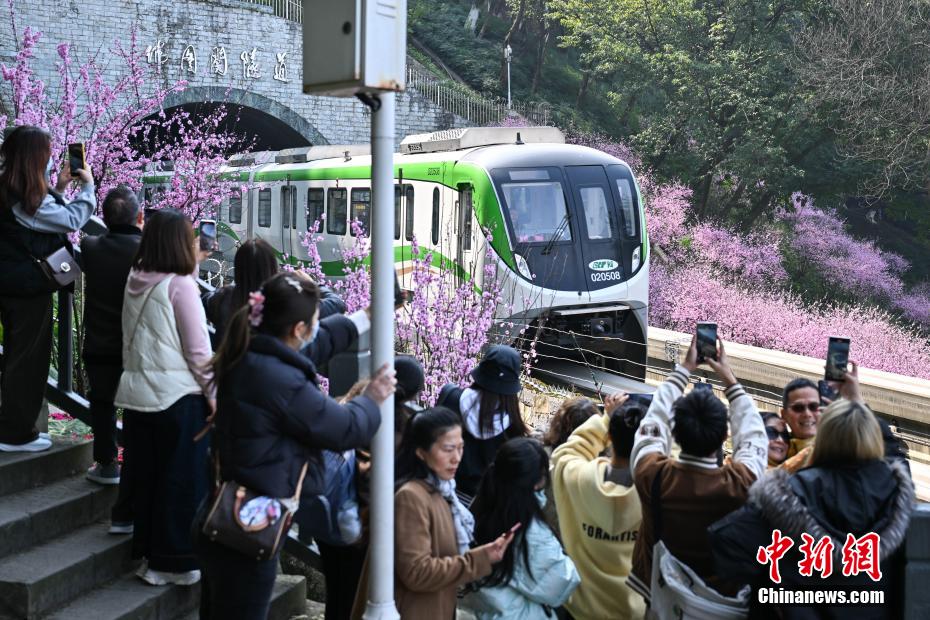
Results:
<point x="313" y="333"/>
<point x="541" y="497"/>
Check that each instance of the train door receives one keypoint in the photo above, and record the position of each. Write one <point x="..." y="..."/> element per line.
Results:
<point x="464" y="240"/>
<point x="599" y="226"/>
<point x="288" y="211"/>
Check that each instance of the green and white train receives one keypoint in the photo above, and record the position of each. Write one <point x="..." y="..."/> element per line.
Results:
<point x="566" y="222"/>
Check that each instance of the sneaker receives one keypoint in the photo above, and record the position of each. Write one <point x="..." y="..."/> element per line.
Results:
<point x="163" y="578"/>
<point x="38" y="444"/>
<point x="104" y="474"/>
<point x="120" y="527"/>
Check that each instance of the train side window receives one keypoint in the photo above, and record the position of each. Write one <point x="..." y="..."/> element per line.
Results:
<point x="408" y="224"/>
<point x="235" y="209"/>
<point x="361" y="208"/>
<point x="315" y="208"/>
<point x="627" y="207"/>
<point x="264" y="208"/>
<point x="397" y="212"/>
<point x="337" y="212"/>
<point x="465" y="215"/>
<point x="435" y="223"/>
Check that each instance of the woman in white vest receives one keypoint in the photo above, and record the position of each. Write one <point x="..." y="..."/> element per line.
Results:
<point x="165" y="390"/>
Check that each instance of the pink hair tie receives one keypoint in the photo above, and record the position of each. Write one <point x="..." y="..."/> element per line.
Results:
<point x="256" y="305"/>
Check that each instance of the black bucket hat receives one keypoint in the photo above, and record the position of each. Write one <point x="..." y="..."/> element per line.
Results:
<point x="410" y="377"/>
<point x="499" y="371"/>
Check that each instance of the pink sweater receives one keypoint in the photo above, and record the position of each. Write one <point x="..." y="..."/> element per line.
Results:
<point x="189" y="316"/>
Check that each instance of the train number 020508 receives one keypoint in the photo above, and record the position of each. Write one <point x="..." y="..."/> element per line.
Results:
<point x="605" y="276"/>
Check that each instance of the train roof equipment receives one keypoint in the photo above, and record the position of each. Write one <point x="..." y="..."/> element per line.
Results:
<point x="244" y="160"/>
<point x="306" y="154"/>
<point x="471" y="137"/>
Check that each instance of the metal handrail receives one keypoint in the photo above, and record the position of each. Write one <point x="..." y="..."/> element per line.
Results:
<point x="288" y="9"/>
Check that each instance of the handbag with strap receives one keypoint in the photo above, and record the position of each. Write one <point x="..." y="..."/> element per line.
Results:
<point x="676" y="591"/>
<point x="248" y="522"/>
<point x="59" y="268"/>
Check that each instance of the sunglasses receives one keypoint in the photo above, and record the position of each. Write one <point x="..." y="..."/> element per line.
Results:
<point x="774" y="433"/>
<point x="800" y="407"/>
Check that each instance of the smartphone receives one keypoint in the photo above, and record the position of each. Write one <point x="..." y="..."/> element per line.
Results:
<point x="826" y="392"/>
<point x="703" y="386"/>
<point x="148" y="213"/>
<point x="76" y="157"/>
<point x="837" y="358"/>
<point x="706" y="341"/>
<point x="208" y="235"/>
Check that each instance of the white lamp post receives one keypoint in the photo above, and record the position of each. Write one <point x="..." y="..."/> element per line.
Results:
<point x="508" y="54"/>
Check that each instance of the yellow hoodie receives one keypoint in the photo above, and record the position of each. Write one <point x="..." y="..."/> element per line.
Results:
<point x="599" y="523"/>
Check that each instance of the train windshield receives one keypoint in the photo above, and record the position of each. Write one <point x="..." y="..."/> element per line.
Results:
<point x="535" y="201"/>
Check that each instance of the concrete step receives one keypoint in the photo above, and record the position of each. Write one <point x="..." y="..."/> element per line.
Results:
<point x="129" y="598"/>
<point x="288" y="600"/>
<point x="47" y="576"/>
<point x="37" y="515"/>
<point x="25" y="470"/>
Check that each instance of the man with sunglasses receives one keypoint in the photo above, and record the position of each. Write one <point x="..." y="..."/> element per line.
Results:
<point x="801" y="410"/>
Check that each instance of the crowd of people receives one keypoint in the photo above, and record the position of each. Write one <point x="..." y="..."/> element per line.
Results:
<point x="628" y="508"/>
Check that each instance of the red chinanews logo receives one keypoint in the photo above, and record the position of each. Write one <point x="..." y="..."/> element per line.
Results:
<point x="859" y="555"/>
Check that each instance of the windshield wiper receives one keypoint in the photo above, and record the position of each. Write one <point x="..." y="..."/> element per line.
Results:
<point x="557" y="235"/>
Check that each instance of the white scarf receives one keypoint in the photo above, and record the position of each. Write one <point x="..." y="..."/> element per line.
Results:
<point x="462" y="519"/>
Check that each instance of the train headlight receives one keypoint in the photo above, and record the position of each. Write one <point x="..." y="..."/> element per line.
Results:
<point x="522" y="267"/>
<point x="637" y="258"/>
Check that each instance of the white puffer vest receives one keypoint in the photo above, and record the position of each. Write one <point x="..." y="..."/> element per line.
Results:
<point x="155" y="373"/>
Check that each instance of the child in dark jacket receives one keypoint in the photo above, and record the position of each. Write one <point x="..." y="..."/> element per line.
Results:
<point x="274" y="420"/>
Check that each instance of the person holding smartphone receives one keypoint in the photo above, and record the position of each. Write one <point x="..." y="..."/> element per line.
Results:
<point x="35" y="220"/>
<point x="693" y="491"/>
<point x="535" y="573"/>
<point x="433" y="530"/>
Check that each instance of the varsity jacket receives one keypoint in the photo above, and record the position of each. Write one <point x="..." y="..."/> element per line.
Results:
<point x="694" y="491"/>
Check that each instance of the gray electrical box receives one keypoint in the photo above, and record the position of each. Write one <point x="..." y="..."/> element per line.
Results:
<point x="354" y="46"/>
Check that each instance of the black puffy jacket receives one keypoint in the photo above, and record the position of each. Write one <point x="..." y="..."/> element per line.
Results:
<point x="272" y="417"/>
<point x="873" y="496"/>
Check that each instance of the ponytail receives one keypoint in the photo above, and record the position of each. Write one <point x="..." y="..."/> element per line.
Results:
<point x="234" y="345"/>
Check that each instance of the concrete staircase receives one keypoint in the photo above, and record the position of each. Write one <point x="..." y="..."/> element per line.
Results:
<point x="58" y="562"/>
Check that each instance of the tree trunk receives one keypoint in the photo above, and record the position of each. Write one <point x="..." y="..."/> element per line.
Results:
<point x="583" y="89"/>
<point x="540" y="56"/>
<point x="628" y="108"/>
<point x="493" y="7"/>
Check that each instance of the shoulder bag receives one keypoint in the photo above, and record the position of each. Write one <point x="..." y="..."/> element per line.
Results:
<point x="250" y="523"/>
<point x="676" y="591"/>
<point x="59" y="268"/>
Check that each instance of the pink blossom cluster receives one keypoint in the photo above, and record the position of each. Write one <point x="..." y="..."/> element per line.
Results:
<point x="857" y="266"/>
<point x="447" y="320"/>
<point x="113" y="117"/>
<point x="754" y="256"/>
<point x="778" y="319"/>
